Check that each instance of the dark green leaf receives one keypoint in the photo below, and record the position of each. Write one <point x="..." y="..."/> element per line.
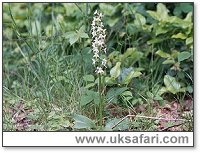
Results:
<point x="183" y="56"/>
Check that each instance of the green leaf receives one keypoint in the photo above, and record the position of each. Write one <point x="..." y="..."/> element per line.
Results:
<point x="121" y="126"/>
<point x="84" y="35"/>
<point x="107" y="9"/>
<point x="112" y="21"/>
<point x="186" y="7"/>
<point x="113" y="93"/>
<point x="139" y="20"/>
<point x="85" y="99"/>
<point x="169" y="61"/>
<point x="81" y="33"/>
<point x="88" y="78"/>
<point x="73" y="39"/>
<point x="179" y="36"/>
<point x="90" y="85"/>
<point x="88" y="97"/>
<point x="160" y="30"/>
<point x="158" y="98"/>
<point x="115" y="71"/>
<point x="69" y="34"/>
<point x="189" y="41"/>
<point x="162" y="11"/>
<point x="162" y="91"/>
<point x="171" y="84"/>
<point x="131" y="75"/>
<point x="188" y="18"/>
<point x="110" y="81"/>
<point x="127" y="93"/>
<point x="161" y="14"/>
<point x="156" y="40"/>
<point x="163" y="54"/>
<point x="189" y="89"/>
<point x="83" y="122"/>
<point x="183" y="56"/>
<point x="154" y="15"/>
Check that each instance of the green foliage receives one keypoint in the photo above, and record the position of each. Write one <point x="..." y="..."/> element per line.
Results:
<point x="82" y="122"/>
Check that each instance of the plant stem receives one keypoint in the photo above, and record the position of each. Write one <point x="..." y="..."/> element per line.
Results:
<point x="100" y="103"/>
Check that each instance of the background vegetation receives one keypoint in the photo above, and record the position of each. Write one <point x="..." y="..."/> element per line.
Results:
<point x="49" y="81"/>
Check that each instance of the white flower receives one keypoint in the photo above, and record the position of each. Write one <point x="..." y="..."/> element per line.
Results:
<point x="104" y="50"/>
<point x="104" y="62"/>
<point x="96" y="55"/>
<point x="93" y="61"/>
<point x="99" y="29"/>
<point x="94" y="34"/>
<point x="95" y="12"/>
<point x="99" y="70"/>
<point x="100" y="15"/>
<point x="95" y="50"/>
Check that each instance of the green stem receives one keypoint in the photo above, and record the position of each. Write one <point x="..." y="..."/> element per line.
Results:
<point x="100" y="103"/>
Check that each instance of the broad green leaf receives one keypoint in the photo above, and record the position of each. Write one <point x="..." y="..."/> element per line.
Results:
<point x="69" y="34"/>
<point x="162" y="11"/>
<point x="169" y="61"/>
<point x="154" y="15"/>
<point x="88" y="78"/>
<point x="174" y="54"/>
<point x="90" y="85"/>
<point x="158" y="98"/>
<point x="115" y="71"/>
<point x="81" y="33"/>
<point x="127" y="93"/>
<point x="136" y="74"/>
<point x="179" y="36"/>
<point x="186" y="7"/>
<point x="183" y="56"/>
<point x="107" y="9"/>
<point x="112" y="21"/>
<point x="161" y="14"/>
<point x="73" y="39"/>
<point x="83" y="122"/>
<point x="110" y="81"/>
<point x="162" y="91"/>
<point x="188" y="18"/>
<point x="85" y="99"/>
<point x="114" y="93"/>
<point x="163" y="54"/>
<point x="189" y="41"/>
<point x="84" y="35"/>
<point x="128" y="53"/>
<point x="171" y="84"/>
<point x="160" y="30"/>
<point x="139" y="20"/>
<point x="132" y="74"/>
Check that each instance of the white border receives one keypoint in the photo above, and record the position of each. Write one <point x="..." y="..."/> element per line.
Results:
<point x="117" y="139"/>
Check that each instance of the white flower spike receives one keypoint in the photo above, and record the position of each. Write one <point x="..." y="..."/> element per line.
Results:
<point x="98" y="43"/>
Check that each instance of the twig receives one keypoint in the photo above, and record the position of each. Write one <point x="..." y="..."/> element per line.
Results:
<point x="175" y="125"/>
<point x="146" y="117"/>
